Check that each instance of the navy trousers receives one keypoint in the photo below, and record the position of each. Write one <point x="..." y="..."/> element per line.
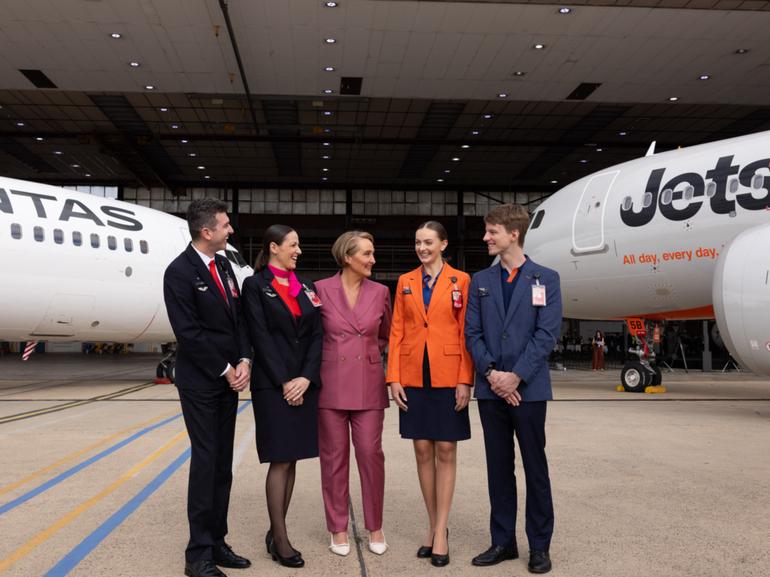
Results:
<point x="500" y="422"/>
<point x="210" y="419"/>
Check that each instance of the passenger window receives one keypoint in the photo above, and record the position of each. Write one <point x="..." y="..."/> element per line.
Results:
<point x="144" y="247"/>
<point x="689" y="192"/>
<point x="647" y="199"/>
<point x="711" y="189"/>
<point x="58" y="236"/>
<point x="758" y="181"/>
<point x="733" y="185"/>
<point x="112" y="243"/>
<point x="95" y="240"/>
<point x="38" y="233"/>
<point x="666" y="196"/>
<point x="128" y="244"/>
<point x="16" y="230"/>
<point x="627" y="202"/>
<point x="538" y="220"/>
<point x="77" y="238"/>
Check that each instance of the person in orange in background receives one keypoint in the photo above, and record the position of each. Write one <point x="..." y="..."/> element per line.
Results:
<point x="430" y="374"/>
<point x="597" y="351"/>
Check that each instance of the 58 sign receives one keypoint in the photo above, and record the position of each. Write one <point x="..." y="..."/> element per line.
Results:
<point x="636" y="327"/>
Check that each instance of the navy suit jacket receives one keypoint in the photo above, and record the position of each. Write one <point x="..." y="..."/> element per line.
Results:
<point x="209" y="333"/>
<point x="284" y="347"/>
<point x="519" y="340"/>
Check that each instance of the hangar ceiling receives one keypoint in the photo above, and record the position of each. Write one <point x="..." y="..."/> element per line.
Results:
<point x="452" y="94"/>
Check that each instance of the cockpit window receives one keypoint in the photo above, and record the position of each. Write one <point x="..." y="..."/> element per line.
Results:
<point x="538" y="220"/>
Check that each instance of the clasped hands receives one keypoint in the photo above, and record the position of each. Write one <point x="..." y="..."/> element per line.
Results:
<point x="462" y="396"/>
<point x="505" y="385"/>
<point x="238" y="377"/>
<point x="294" y="390"/>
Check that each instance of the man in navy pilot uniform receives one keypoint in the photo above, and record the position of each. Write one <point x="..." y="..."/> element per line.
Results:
<point x="512" y="323"/>
<point x="213" y="364"/>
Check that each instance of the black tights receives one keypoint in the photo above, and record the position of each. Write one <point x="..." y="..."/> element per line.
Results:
<point x="279" y="486"/>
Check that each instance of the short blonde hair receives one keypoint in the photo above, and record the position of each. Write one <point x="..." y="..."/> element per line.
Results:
<point x="347" y="245"/>
<point x="512" y="217"/>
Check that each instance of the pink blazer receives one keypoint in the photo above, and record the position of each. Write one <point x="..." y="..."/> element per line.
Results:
<point x="352" y="375"/>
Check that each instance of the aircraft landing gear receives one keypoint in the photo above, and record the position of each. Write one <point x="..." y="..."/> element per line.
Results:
<point x="636" y="376"/>
<point x="166" y="369"/>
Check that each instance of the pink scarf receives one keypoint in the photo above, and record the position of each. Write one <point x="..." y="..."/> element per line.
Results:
<point x="294" y="285"/>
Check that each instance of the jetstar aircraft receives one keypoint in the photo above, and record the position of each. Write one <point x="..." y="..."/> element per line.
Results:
<point x="79" y="267"/>
<point x="683" y="234"/>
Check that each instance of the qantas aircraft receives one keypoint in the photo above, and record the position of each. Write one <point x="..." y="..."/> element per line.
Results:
<point x="79" y="267"/>
<point x="683" y="234"/>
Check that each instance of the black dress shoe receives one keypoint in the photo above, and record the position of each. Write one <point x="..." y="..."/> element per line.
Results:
<point x="296" y="561"/>
<point x="225" y="557"/>
<point x="494" y="555"/>
<point x="202" y="568"/>
<point x="539" y="561"/>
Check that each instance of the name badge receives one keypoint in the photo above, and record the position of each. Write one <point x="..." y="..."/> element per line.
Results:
<point x="312" y="297"/>
<point x="457" y="299"/>
<point x="406" y="291"/>
<point x="483" y="291"/>
<point x="538" y="295"/>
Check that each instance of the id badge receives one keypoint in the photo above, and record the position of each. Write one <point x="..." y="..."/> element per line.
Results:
<point x="538" y="295"/>
<point x="313" y="298"/>
<point x="233" y="290"/>
<point x="457" y="299"/>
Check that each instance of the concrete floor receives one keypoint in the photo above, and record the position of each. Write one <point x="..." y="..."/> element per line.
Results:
<point x="653" y="485"/>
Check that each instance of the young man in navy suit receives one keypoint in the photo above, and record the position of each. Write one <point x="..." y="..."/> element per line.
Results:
<point x="511" y="325"/>
<point x="213" y="364"/>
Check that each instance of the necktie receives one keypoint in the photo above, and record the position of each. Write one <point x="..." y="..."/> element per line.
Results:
<point x="513" y="274"/>
<point x="213" y="271"/>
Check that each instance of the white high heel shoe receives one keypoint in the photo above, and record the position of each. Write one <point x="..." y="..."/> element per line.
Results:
<point x="342" y="549"/>
<point x="378" y="547"/>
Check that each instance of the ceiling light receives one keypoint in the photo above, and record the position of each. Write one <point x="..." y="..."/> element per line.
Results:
<point x="565" y="10"/>
<point x="326" y="157"/>
<point x="502" y="95"/>
<point x="328" y="91"/>
<point x="75" y="165"/>
<point x="330" y="40"/>
<point x="164" y="109"/>
<point x="326" y="143"/>
<point x="539" y="46"/>
<point x="116" y="35"/>
<point x="328" y="113"/>
<point x="583" y="161"/>
<point x="39" y="138"/>
<point x="19" y="123"/>
<point x="184" y="141"/>
<point x="554" y="181"/>
<point x="599" y="149"/>
<point x="329" y="68"/>
<point x="475" y="132"/>
<point x="193" y="154"/>
<point x="324" y="179"/>
<point x="327" y="130"/>
<point x="673" y="98"/>
<point x="742" y="51"/>
<point x="519" y="73"/>
<point x="331" y="4"/>
<point x="455" y="159"/>
<point x="704" y="77"/>
<point x="87" y="174"/>
<point x="487" y="116"/>
<point x="325" y="169"/>
<point x="439" y="180"/>
<point x="207" y="177"/>
<point x="622" y="133"/>
<point x="447" y="171"/>
<point x="201" y="167"/>
<point x="149" y="87"/>
<point x="134" y="64"/>
<point x="58" y="152"/>
<point x="465" y="146"/>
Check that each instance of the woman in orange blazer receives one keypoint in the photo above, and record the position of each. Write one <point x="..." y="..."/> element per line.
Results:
<point x="430" y="374"/>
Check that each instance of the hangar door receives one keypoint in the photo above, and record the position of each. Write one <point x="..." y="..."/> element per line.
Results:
<point x="588" y="222"/>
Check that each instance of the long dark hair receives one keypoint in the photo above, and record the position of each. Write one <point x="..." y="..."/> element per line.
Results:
<point x="274" y="233"/>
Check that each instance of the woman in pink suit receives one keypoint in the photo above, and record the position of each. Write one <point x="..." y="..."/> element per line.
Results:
<point x="356" y="320"/>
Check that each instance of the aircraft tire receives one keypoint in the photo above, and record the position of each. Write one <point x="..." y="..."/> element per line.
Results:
<point x="170" y="370"/>
<point x="635" y="377"/>
<point x="657" y="378"/>
<point x="160" y="371"/>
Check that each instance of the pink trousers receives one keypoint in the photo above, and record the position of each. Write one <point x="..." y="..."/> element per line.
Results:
<point x="334" y="428"/>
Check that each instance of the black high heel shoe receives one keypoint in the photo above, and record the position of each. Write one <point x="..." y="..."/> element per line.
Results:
<point x="425" y="552"/>
<point x="295" y="561"/>
<point x="268" y="540"/>
<point x="440" y="560"/>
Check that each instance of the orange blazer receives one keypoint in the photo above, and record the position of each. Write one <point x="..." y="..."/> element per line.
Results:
<point x="441" y="327"/>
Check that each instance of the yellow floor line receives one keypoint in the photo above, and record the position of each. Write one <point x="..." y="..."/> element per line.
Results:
<point x="49" y="532"/>
<point x="75" y="455"/>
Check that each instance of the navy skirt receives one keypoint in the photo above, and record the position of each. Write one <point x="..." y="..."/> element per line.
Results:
<point x="431" y="415"/>
<point x="285" y="433"/>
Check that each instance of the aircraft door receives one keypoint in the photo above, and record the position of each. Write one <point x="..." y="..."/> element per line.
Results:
<point x="588" y="221"/>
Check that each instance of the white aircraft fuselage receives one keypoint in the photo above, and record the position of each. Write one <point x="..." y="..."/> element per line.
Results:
<point x="79" y="267"/>
<point x="653" y="238"/>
